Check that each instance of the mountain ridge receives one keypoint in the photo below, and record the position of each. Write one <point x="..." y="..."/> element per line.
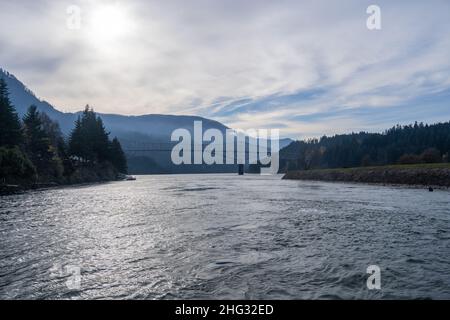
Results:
<point x="131" y="130"/>
<point x="22" y="97"/>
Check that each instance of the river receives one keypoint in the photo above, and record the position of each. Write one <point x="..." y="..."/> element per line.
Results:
<point x="224" y="237"/>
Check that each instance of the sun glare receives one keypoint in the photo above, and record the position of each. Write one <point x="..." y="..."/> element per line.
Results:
<point x="109" y="23"/>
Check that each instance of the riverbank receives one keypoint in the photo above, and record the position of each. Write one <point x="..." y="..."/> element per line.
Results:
<point x="418" y="174"/>
<point x="81" y="175"/>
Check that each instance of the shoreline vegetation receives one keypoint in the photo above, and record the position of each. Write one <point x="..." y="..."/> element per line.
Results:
<point x="34" y="153"/>
<point x="427" y="175"/>
<point x="415" y="155"/>
<point x="11" y="189"/>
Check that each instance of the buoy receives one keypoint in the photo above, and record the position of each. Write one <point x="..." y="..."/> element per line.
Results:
<point x="430" y="189"/>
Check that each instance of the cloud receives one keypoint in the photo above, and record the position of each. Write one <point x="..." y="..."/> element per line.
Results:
<point x="301" y="65"/>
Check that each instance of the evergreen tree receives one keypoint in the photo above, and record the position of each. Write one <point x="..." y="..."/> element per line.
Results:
<point x="89" y="142"/>
<point x="117" y="156"/>
<point x="76" y="140"/>
<point x="10" y="130"/>
<point x="36" y="150"/>
<point x="89" y="139"/>
<point x="37" y="142"/>
<point x="400" y="144"/>
<point x="101" y="143"/>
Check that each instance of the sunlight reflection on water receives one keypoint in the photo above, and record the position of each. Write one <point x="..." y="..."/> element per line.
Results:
<point x="224" y="236"/>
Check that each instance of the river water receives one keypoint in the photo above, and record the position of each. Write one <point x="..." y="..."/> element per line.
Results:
<point x="224" y="236"/>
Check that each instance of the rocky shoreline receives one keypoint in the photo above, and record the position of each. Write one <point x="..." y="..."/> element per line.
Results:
<point x="413" y="175"/>
<point x="7" y="189"/>
<point x="82" y="175"/>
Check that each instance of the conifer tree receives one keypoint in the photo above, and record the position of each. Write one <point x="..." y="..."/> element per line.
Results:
<point x="118" y="158"/>
<point x="76" y="140"/>
<point x="37" y="142"/>
<point x="101" y="143"/>
<point x="10" y="129"/>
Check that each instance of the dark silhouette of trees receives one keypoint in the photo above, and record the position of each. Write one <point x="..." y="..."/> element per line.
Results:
<point x="35" y="150"/>
<point x="14" y="163"/>
<point x="431" y="155"/>
<point x="10" y="131"/>
<point x="42" y="143"/>
<point x="89" y="139"/>
<point x="410" y="159"/>
<point x="76" y="141"/>
<point x="417" y="143"/>
<point x="118" y="158"/>
<point x="89" y="142"/>
<point x="54" y="134"/>
<point x="37" y="143"/>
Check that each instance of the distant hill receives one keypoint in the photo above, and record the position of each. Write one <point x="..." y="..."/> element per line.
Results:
<point x="412" y="144"/>
<point x="155" y="126"/>
<point x="132" y="131"/>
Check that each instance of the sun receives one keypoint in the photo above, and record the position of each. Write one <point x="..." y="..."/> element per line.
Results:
<point x="109" y="22"/>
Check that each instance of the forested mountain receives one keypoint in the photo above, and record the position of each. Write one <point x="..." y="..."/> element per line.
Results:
<point x="34" y="151"/>
<point x="134" y="132"/>
<point x="155" y="126"/>
<point x="415" y="143"/>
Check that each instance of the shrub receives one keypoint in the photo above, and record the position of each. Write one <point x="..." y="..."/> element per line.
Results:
<point x="15" y="165"/>
<point x="409" y="159"/>
<point x="431" y="155"/>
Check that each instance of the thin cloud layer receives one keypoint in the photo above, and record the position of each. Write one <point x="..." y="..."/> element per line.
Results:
<point x="307" y="67"/>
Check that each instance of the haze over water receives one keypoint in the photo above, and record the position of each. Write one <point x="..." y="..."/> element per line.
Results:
<point x="224" y="236"/>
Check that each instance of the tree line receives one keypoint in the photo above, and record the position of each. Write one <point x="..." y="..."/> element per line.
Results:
<point x="34" y="150"/>
<point x="410" y="144"/>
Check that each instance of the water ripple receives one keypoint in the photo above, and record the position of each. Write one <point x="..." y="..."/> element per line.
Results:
<point x="223" y="236"/>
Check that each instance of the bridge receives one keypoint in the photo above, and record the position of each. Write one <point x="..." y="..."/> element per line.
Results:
<point x="238" y="154"/>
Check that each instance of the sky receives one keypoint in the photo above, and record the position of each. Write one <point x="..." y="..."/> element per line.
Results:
<point x="308" y="68"/>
